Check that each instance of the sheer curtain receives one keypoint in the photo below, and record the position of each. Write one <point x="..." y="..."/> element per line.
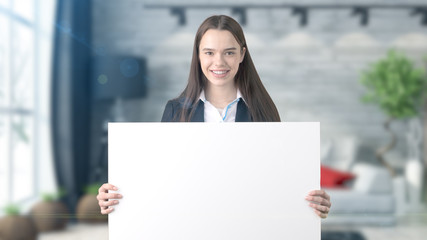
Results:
<point x="26" y="166"/>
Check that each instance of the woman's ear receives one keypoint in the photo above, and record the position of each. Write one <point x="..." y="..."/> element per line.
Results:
<point x="243" y="54"/>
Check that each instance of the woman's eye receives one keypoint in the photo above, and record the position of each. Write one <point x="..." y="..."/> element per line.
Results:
<point x="229" y="53"/>
<point x="208" y="53"/>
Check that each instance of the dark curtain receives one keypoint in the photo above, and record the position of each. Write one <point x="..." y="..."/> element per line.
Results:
<point x="70" y="97"/>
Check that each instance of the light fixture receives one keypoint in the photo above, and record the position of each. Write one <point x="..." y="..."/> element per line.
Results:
<point x="364" y="14"/>
<point x="180" y="13"/>
<point x="421" y="11"/>
<point x="302" y="12"/>
<point x="242" y="14"/>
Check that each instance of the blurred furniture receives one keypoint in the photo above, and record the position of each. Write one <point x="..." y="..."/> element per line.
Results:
<point x="342" y="235"/>
<point x="369" y="200"/>
<point x="113" y="78"/>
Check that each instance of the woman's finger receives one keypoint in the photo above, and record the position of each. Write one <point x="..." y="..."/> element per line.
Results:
<point x="320" y="214"/>
<point x="106" y="186"/>
<point x="320" y="208"/>
<point x="107" y="211"/>
<point x="105" y="204"/>
<point x="321" y="193"/>
<point x="319" y="200"/>
<point x="107" y="196"/>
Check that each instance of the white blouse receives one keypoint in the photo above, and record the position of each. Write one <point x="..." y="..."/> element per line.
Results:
<point x="228" y="114"/>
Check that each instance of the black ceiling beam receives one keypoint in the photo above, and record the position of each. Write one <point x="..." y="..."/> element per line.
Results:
<point x="301" y="10"/>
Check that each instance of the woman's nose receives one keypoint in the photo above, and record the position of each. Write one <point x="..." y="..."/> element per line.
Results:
<point x="219" y="60"/>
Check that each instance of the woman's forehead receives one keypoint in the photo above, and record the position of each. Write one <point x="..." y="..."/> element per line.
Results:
<point x="218" y="39"/>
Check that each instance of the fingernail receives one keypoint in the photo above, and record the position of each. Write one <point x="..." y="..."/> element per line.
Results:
<point x="115" y="188"/>
<point x="116" y="202"/>
<point x="120" y="196"/>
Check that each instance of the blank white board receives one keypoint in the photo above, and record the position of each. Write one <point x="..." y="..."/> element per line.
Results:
<point x="227" y="181"/>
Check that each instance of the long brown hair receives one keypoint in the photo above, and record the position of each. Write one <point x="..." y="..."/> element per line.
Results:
<point x="259" y="102"/>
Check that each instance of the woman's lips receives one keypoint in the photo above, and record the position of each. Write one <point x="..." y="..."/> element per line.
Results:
<point x="219" y="73"/>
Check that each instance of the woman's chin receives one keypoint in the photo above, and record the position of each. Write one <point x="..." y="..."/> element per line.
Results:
<point x="220" y="82"/>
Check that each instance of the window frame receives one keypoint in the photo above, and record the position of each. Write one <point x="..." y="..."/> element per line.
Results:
<point x="39" y="116"/>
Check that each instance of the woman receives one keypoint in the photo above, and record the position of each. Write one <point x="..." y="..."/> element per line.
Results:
<point x="223" y="86"/>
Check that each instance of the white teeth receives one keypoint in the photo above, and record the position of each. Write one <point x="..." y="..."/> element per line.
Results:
<point x="219" y="72"/>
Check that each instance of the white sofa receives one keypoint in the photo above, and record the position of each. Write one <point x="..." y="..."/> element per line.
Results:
<point x="369" y="200"/>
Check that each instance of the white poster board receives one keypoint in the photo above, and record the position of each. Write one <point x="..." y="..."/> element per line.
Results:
<point x="219" y="181"/>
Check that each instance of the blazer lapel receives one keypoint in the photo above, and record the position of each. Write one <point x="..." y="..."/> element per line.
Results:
<point x="199" y="114"/>
<point x="242" y="114"/>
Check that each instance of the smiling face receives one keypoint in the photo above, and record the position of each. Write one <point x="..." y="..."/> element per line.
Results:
<point x="220" y="55"/>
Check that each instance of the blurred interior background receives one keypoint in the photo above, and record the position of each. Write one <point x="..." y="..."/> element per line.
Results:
<point x="69" y="67"/>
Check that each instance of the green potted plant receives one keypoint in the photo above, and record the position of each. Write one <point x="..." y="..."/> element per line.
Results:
<point x="87" y="208"/>
<point x="15" y="226"/>
<point x="398" y="88"/>
<point x="50" y="214"/>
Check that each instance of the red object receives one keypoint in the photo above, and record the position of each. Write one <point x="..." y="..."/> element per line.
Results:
<point x="331" y="178"/>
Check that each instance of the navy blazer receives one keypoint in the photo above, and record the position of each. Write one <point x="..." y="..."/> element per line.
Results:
<point x="174" y="108"/>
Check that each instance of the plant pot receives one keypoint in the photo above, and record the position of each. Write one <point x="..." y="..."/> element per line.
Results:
<point x="414" y="177"/>
<point x="17" y="228"/>
<point x="49" y="215"/>
<point x="399" y="191"/>
<point x="88" y="210"/>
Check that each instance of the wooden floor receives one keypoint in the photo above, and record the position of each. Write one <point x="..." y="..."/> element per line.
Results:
<point x="80" y="232"/>
<point x="413" y="227"/>
<point x="408" y="227"/>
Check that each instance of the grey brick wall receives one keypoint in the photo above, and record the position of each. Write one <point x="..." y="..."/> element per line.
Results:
<point x="311" y="72"/>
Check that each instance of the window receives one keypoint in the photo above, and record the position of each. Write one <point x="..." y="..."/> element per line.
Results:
<point x="26" y="30"/>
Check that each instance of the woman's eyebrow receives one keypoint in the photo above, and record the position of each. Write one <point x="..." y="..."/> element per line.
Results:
<point x="212" y="49"/>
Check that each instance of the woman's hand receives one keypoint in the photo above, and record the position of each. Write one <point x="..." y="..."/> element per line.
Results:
<point x="320" y="201"/>
<point x="105" y="199"/>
